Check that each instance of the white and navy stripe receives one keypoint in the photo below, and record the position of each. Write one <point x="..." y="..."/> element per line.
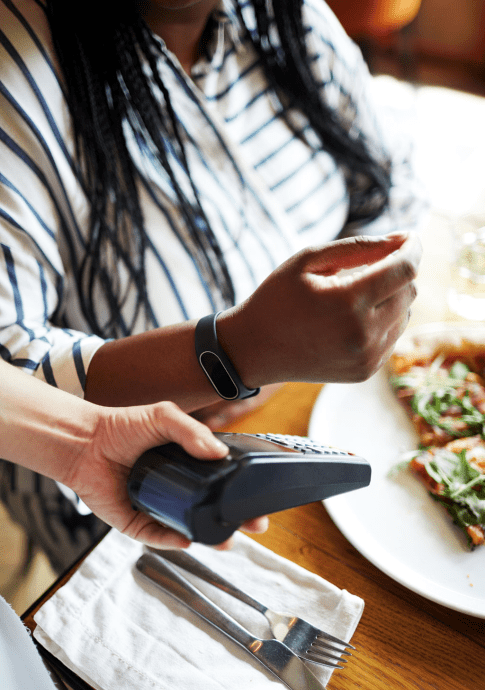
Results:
<point x="265" y="192"/>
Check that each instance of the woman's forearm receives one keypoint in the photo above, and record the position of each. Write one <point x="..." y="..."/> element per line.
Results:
<point x="146" y="368"/>
<point x="303" y="323"/>
<point x="43" y="427"/>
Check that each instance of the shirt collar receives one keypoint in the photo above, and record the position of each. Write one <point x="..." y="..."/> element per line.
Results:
<point x="228" y="26"/>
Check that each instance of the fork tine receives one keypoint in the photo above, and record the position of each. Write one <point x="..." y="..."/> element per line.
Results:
<point x="325" y="655"/>
<point x="327" y="650"/>
<point x="330" y="638"/>
<point x="321" y="662"/>
<point x="319" y="644"/>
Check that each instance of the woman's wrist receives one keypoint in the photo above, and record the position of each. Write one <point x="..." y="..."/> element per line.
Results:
<point x="149" y="367"/>
<point x="241" y="343"/>
<point x="215" y="363"/>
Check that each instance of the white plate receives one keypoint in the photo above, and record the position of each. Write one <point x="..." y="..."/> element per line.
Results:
<point x="394" y="523"/>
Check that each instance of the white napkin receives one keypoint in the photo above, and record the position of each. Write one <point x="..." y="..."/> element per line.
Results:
<point x="119" y="632"/>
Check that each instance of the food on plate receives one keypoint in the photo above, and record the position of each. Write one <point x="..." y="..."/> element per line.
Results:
<point x="441" y="384"/>
<point x="443" y="392"/>
<point x="454" y="475"/>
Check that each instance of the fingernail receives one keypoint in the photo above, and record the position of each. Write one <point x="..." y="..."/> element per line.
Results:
<point x="221" y="446"/>
<point x="397" y="233"/>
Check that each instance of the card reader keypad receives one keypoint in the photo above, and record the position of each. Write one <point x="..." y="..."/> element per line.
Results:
<point x="301" y="444"/>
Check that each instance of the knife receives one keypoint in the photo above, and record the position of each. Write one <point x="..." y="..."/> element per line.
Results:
<point x="272" y="654"/>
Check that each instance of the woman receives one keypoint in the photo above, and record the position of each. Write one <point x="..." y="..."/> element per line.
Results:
<point x="162" y="161"/>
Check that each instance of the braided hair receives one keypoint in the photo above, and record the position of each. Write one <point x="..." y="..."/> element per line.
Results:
<point x="103" y="60"/>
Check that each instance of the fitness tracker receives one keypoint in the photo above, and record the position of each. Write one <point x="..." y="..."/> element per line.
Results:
<point x="215" y="364"/>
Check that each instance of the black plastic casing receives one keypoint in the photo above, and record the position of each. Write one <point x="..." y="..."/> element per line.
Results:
<point x="208" y="500"/>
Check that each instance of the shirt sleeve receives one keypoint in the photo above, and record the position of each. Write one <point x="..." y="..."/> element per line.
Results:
<point x="40" y="233"/>
<point x="348" y="87"/>
<point x="30" y="295"/>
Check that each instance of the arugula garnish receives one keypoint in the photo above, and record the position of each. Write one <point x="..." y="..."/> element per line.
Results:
<point x="459" y="370"/>
<point x="463" y="493"/>
<point x="435" y="393"/>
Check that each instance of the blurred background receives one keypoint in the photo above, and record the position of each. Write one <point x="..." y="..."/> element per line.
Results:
<point x="434" y="42"/>
<point x="429" y="50"/>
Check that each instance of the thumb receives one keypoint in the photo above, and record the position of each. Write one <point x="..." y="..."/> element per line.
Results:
<point x="170" y="424"/>
<point x="352" y="252"/>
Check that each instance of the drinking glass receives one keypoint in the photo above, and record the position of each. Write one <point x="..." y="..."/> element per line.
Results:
<point x="466" y="290"/>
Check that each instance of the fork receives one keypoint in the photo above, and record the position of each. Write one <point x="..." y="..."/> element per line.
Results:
<point x="305" y="640"/>
<point x="272" y="654"/>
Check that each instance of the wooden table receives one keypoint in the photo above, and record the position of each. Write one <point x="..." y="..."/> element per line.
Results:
<point x="404" y="642"/>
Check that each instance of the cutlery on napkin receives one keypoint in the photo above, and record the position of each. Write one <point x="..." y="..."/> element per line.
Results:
<point x="116" y="635"/>
<point x="271" y="653"/>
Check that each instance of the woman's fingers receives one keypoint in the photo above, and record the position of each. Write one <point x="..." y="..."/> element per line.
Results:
<point x="153" y="534"/>
<point x="256" y="525"/>
<point x="128" y="432"/>
<point x="371" y="306"/>
<point x="153" y="425"/>
<point x="391" y="274"/>
<point x="352" y="252"/>
<point x="382" y="267"/>
<point x="324" y="315"/>
<point x="194" y="436"/>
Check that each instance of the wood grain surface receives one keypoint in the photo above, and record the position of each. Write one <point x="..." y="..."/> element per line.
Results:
<point x="403" y="641"/>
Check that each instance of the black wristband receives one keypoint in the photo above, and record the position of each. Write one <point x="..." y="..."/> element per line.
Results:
<point x="215" y="364"/>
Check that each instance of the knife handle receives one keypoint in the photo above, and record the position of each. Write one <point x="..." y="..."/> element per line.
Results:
<point x="192" y="565"/>
<point x="168" y="579"/>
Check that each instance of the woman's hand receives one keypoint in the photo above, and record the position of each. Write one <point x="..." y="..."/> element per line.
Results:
<point x="311" y="322"/>
<point x="99" y="474"/>
<point x="308" y="321"/>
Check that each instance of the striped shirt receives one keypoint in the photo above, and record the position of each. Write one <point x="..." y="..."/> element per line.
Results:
<point x="265" y="192"/>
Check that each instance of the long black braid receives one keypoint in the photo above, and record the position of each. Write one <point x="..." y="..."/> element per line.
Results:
<point x="102" y="57"/>
<point x="287" y="67"/>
